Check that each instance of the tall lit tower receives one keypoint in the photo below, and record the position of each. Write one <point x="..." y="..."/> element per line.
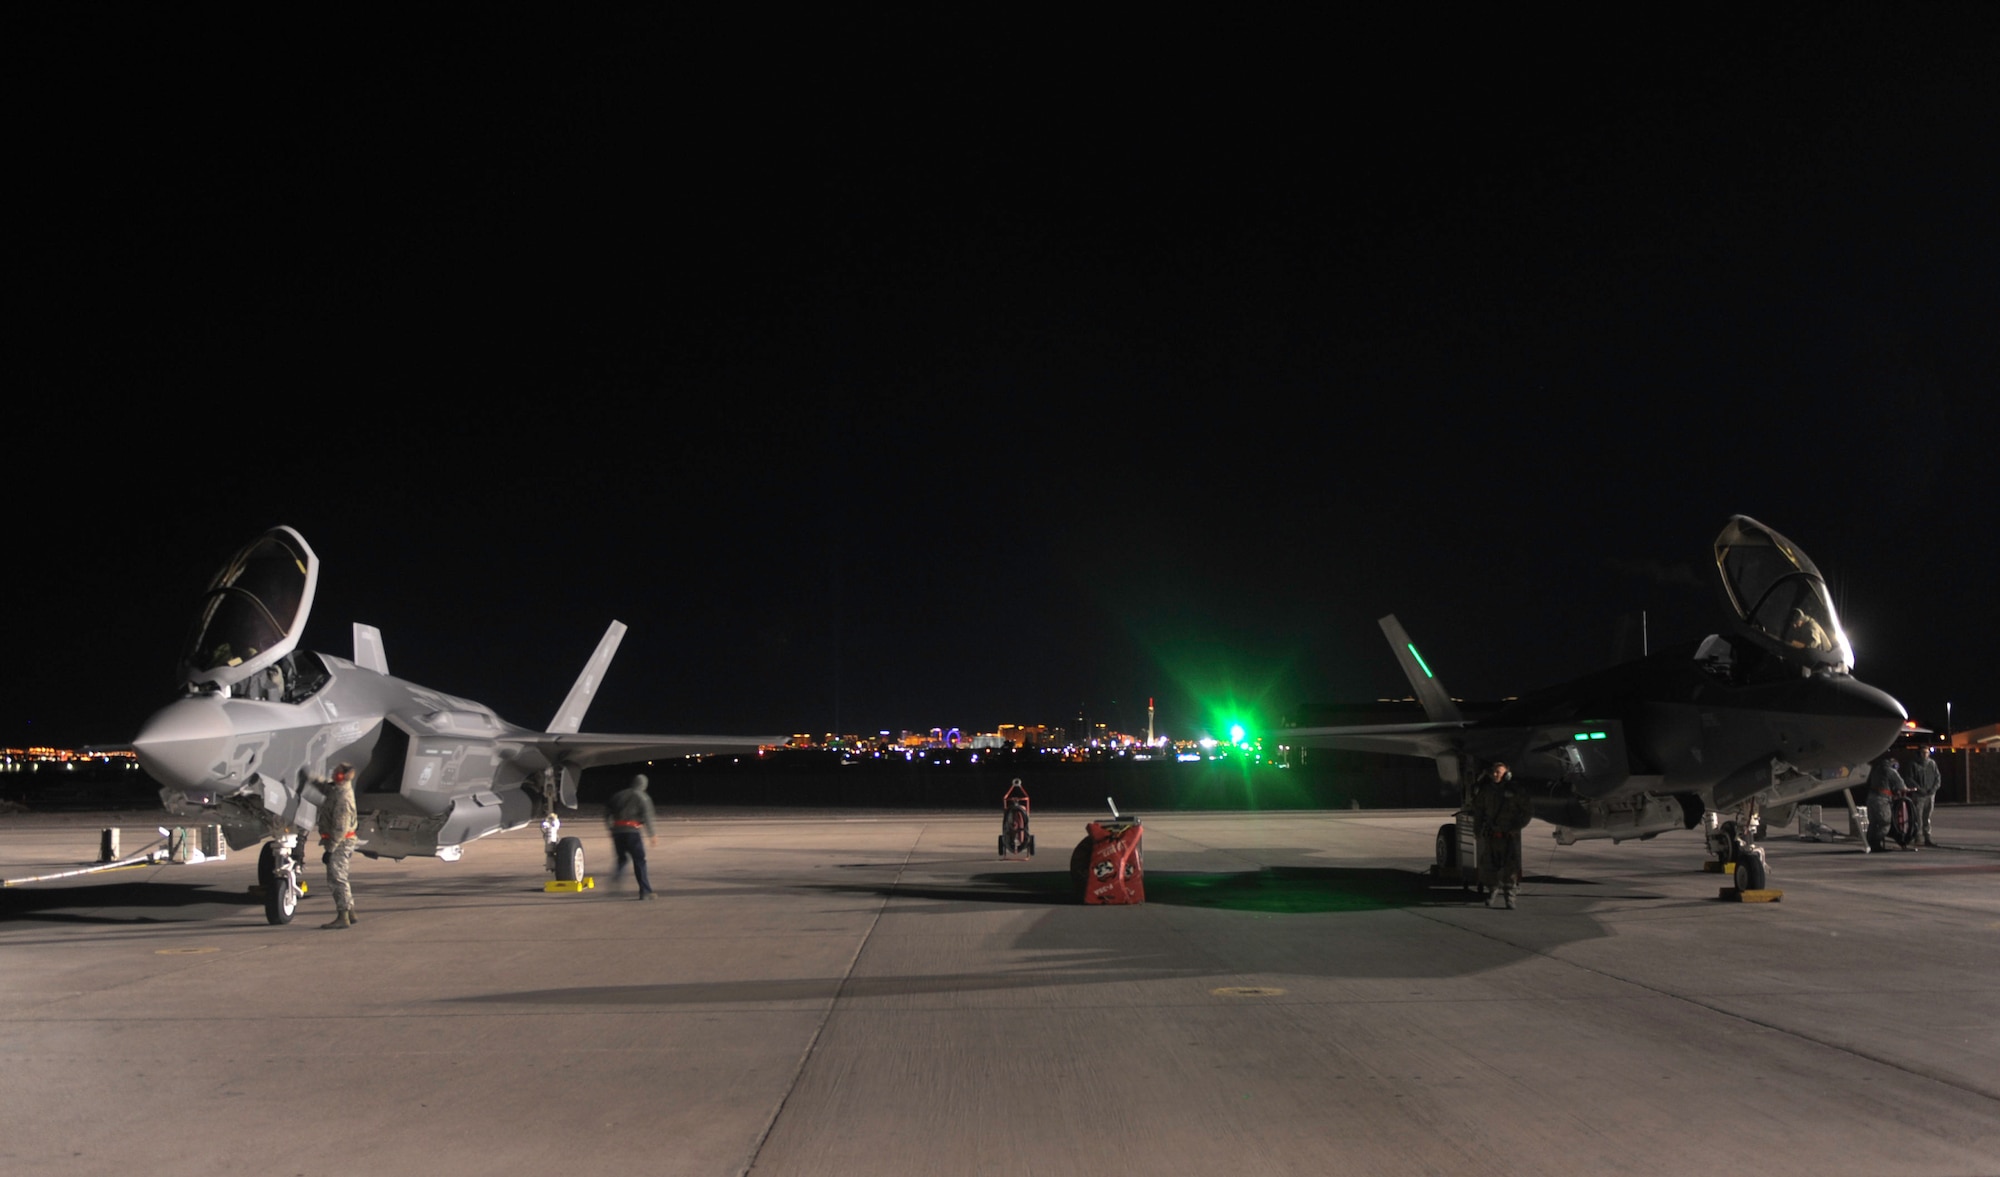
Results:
<point x="1149" y="721"/>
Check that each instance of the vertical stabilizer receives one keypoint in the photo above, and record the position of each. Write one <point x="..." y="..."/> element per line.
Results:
<point x="1429" y="691"/>
<point x="368" y="651"/>
<point x="569" y="717"/>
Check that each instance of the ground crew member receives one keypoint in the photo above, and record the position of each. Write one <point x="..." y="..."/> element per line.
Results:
<point x="1499" y="813"/>
<point x="1884" y="782"/>
<point x="629" y="814"/>
<point x="337" y="818"/>
<point x="1926" y="780"/>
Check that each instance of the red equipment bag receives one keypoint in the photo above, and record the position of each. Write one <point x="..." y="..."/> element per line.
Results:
<point x="1116" y="872"/>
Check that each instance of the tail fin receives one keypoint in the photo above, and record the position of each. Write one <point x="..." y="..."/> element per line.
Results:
<point x="569" y="717"/>
<point x="1430" y="692"/>
<point x="368" y="651"/>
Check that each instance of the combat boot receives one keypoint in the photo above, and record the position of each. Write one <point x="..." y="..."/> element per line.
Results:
<point x="352" y="919"/>
<point x="340" y="920"/>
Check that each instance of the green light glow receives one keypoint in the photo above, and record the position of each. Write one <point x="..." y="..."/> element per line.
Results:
<point x="1235" y="733"/>
<point x="1597" y="735"/>
<point x="1583" y="735"/>
<point x="1420" y="659"/>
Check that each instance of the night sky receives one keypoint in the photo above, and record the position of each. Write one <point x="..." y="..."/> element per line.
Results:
<point x="910" y="373"/>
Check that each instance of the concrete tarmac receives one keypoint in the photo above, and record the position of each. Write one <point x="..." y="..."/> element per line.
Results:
<point x="878" y="994"/>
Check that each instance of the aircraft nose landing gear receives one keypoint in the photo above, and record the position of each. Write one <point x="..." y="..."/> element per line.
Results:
<point x="1737" y="852"/>
<point x="279" y="865"/>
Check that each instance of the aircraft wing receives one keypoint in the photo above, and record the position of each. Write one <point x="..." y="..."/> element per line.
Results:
<point x="569" y="753"/>
<point x="1400" y="739"/>
<point x="588" y="749"/>
<point x="1591" y="752"/>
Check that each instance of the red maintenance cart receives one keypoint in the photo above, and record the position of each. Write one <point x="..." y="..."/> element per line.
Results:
<point x="1016" y="843"/>
<point x="1108" y="865"/>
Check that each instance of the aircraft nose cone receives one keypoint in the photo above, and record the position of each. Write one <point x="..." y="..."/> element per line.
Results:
<point x="182" y="744"/>
<point x="1871" y="717"/>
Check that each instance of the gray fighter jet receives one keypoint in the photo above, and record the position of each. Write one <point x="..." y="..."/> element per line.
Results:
<point x="1727" y="730"/>
<point x="258" y="721"/>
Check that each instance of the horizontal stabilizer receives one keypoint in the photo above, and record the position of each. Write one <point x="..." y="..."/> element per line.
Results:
<point x="1430" y="692"/>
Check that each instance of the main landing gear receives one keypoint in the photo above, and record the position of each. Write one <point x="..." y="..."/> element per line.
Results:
<point x="279" y="866"/>
<point x="565" y="855"/>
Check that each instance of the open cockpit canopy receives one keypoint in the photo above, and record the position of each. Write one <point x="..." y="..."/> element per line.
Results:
<point x="254" y="610"/>
<point x="1779" y="596"/>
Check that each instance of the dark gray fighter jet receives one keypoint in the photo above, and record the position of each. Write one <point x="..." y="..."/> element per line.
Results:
<point x="258" y="721"/>
<point x="1723" y="730"/>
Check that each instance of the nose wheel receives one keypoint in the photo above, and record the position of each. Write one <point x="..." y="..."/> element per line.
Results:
<point x="278" y="865"/>
<point x="1735" y="842"/>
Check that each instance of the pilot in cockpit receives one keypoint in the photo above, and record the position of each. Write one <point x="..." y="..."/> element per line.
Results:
<point x="267" y="684"/>
<point x="1805" y="633"/>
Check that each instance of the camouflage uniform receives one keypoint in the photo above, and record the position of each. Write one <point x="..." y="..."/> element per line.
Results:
<point x="1926" y="780"/>
<point x="1884" y="782"/>
<point x="1500" y="812"/>
<point x="337" y="819"/>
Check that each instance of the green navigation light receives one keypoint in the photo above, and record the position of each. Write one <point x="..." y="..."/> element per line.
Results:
<point x="1235" y="733"/>
<point x="1420" y="659"/>
<point x="1597" y="735"/>
<point x="1583" y="735"/>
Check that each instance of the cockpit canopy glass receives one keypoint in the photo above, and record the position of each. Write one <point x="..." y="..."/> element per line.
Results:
<point x="1779" y="595"/>
<point x="254" y="609"/>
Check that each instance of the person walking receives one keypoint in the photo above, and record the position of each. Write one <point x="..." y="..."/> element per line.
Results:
<point x="629" y="815"/>
<point x="1500" y="812"/>
<point x="1924" y="780"/>
<point x="337" y="819"/>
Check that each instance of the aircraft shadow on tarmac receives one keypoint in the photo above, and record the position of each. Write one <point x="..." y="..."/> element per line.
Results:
<point x="124" y="903"/>
<point x="1292" y="890"/>
<point x="818" y="989"/>
<point x="1062" y="951"/>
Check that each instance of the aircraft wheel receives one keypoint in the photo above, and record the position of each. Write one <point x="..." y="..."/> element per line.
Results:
<point x="1732" y="843"/>
<point x="569" y="859"/>
<point x="1749" y="872"/>
<point x="281" y="901"/>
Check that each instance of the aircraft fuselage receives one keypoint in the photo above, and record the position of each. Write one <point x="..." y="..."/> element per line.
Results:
<point x="1691" y="727"/>
<point x="430" y="767"/>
